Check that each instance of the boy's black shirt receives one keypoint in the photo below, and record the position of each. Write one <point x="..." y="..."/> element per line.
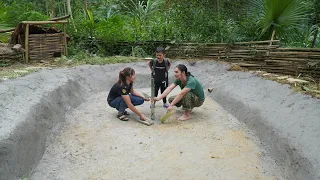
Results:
<point x="161" y="73"/>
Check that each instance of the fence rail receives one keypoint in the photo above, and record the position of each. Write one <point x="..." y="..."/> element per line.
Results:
<point x="255" y="55"/>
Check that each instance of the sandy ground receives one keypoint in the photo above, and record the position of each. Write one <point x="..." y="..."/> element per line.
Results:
<point x="61" y="118"/>
<point x="94" y="144"/>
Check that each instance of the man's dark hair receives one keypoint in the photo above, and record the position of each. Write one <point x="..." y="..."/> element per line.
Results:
<point x="160" y="50"/>
<point x="184" y="68"/>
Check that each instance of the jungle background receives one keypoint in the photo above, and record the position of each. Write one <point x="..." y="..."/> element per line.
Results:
<point x="96" y="25"/>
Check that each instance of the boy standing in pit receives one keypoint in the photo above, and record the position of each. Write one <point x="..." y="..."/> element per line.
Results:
<point x="159" y="68"/>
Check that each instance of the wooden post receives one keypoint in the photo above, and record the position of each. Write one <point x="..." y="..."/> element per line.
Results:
<point x="65" y="40"/>
<point x="315" y="38"/>
<point x="26" y="43"/>
<point x="272" y="36"/>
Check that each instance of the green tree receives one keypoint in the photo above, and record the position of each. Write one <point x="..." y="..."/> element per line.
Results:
<point x="16" y="11"/>
<point x="141" y="13"/>
<point x="285" y="17"/>
<point x="315" y="18"/>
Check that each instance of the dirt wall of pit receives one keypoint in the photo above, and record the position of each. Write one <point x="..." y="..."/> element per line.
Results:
<point x="30" y="107"/>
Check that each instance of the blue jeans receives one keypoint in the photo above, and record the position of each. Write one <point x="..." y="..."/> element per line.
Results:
<point x="121" y="106"/>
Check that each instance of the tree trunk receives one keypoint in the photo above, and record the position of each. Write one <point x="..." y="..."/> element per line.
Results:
<point x="85" y="5"/>
<point x="70" y="13"/>
<point x="59" y="10"/>
<point x="218" y="6"/>
<point x="47" y="8"/>
<point x="64" y="9"/>
<point x="315" y="38"/>
<point x="69" y="8"/>
<point x="52" y="10"/>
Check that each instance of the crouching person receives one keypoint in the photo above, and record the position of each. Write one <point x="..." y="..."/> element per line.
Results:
<point x="191" y="94"/>
<point x="122" y="95"/>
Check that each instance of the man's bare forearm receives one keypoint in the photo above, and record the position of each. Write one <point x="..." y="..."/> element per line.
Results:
<point x="176" y="99"/>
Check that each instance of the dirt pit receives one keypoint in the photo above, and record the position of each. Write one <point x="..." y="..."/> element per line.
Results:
<point x="56" y="124"/>
<point x="94" y="144"/>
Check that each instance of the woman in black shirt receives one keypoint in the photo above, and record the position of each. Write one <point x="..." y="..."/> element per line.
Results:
<point x="123" y="96"/>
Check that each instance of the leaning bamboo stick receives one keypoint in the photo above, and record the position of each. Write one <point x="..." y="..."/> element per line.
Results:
<point x="65" y="40"/>
<point x="27" y="43"/>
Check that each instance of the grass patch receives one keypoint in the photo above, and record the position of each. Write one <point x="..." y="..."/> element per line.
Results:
<point x="311" y="88"/>
<point x="12" y="73"/>
<point x="18" y="70"/>
<point x="93" y="60"/>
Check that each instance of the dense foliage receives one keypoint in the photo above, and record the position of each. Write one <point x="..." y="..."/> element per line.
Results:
<point x="97" y="24"/>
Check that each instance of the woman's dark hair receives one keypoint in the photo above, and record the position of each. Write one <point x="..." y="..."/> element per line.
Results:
<point x="183" y="68"/>
<point x="124" y="73"/>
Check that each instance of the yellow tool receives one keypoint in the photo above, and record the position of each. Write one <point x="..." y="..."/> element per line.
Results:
<point x="167" y="115"/>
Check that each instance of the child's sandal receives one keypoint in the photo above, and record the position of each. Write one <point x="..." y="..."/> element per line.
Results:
<point x="122" y="117"/>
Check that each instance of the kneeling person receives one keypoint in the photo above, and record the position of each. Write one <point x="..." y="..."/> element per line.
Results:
<point x="191" y="94"/>
<point x="123" y="96"/>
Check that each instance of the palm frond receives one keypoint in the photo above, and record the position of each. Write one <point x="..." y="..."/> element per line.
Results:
<point x="283" y="16"/>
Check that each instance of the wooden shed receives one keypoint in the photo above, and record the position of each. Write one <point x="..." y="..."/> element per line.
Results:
<point x="41" y="43"/>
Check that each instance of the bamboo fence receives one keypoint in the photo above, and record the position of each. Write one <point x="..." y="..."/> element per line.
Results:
<point x="256" y="55"/>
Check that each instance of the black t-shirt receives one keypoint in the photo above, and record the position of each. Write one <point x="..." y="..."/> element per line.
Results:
<point x="118" y="90"/>
<point x="161" y="73"/>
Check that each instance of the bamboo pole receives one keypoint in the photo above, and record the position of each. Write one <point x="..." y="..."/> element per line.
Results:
<point x="294" y="53"/>
<point x="300" y="49"/>
<point x="257" y="42"/>
<point x="60" y="18"/>
<point x="7" y="30"/>
<point x="65" y="40"/>
<point x="53" y="14"/>
<point x="44" y="22"/>
<point x="152" y="99"/>
<point x="27" y="43"/>
<point x="272" y="36"/>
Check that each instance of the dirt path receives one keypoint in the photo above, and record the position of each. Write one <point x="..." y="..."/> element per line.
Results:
<point x="93" y="144"/>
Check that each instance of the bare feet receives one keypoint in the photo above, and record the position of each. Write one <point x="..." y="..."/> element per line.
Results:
<point x="184" y="118"/>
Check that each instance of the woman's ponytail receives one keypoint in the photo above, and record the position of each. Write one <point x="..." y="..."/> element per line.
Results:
<point x="123" y="74"/>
